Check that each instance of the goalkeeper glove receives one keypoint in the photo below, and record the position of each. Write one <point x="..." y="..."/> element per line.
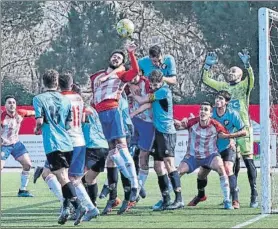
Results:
<point x="210" y="60"/>
<point x="245" y="57"/>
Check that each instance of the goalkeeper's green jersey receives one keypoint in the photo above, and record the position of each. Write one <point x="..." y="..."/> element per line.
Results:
<point x="240" y="92"/>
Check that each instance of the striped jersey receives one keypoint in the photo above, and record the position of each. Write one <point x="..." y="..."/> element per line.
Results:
<point x="77" y="109"/>
<point x="10" y="126"/>
<point x="202" y="141"/>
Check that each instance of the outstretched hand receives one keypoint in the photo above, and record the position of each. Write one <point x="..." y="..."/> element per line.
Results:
<point x="210" y="60"/>
<point x="245" y="57"/>
<point x="130" y="47"/>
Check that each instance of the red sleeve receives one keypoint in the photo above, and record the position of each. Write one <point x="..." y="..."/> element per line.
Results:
<point x="133" y="71"/>
<point x="192" y="122"/>
<point x="3" y="115"/>
<point x="22" y="112"/>
<point x="219" y="127"/>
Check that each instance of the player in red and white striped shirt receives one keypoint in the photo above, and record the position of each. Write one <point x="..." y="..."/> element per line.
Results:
<point x="202" y="149"/>
<point x="11" y="120"/>
<point x="107" y="87"/>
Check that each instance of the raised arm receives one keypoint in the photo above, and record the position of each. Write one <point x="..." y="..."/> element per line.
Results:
<point x="245" y="58"/>
<point x="134" y="70"/>
<point x="210" y="60"/>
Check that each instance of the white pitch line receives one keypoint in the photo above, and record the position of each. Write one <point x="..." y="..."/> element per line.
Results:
<point x="251" y="221"/>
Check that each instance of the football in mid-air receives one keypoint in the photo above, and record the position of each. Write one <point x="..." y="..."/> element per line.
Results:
<point x="125" y="27"/>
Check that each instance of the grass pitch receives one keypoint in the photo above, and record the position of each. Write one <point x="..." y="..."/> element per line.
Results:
<point x="42" y="211"/>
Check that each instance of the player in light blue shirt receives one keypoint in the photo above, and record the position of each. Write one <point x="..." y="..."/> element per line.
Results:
<point x="54" y="108"/>
<point x="156" y="61"/>
<point x="53" y="114"/>
<point x="166" y="64"/>
<point x="162" y="106"/>
<point x="165" y="139"/>
<point x="231" y="120"/>
<point x="92" y="130"/>
<point x="96" y="151"/>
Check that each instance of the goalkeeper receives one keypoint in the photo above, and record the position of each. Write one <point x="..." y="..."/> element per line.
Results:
<point x="240" y="90"/>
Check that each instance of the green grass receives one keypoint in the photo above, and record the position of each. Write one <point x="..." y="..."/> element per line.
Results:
<point x="42" y="210"/>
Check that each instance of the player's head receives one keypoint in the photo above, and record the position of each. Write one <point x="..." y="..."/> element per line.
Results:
<point x="10" y="103"/>
<point x="156" y="79"/>
<point x="155" y="55"/>
<point x="234" y="75"/>
<point x="50" y="79"/>
<point x="117" y="58"/>
<point x="66" y="81"/>
<point x="205" y="111"/>
<point x="136" y="79"/>
<point x="222" y="98"/>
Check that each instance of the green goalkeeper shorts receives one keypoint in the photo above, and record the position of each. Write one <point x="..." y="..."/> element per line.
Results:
<point x="245" y="144"/>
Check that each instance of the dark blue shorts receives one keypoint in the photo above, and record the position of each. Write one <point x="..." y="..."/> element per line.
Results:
<point x="16" y="150"/>
<point x="112" y="124"/>
<point x="77" y="164"/>
<point x="144" y="133"/>
<point x="194" y="163"/>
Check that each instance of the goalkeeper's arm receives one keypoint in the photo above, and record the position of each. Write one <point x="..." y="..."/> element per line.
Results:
<point x="214" y="84"/>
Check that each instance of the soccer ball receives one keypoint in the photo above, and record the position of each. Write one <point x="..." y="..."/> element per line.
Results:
<point x="125" y="27"/>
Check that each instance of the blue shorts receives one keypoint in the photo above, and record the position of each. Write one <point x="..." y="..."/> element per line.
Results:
<point x="112" y="124"/>
<point x="16" y="150"/>
<point x="77" y="164"/>
<point x="144" y="133"/>
<point x="194" y="163"/>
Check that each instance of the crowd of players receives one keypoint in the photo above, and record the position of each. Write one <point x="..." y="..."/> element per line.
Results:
<point x="129" y="118"/>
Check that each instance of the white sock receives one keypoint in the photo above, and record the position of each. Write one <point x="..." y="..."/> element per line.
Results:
<point x="83" y="196"/>
<point x="118" y="160"/>
<point x="129" y="164"/>
<point x="24" y="179"/>
<point x="142" y="176"/>
<point x="55" y="187"/>
<point x="224" y="183"/>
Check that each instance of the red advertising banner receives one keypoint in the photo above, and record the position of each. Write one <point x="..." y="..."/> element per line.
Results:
<point x="180" y="111"/>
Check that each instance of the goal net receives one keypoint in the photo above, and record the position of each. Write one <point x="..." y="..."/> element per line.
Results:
<point x="268" y="72"/>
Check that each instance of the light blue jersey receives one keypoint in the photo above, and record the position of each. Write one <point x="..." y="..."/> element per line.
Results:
<point x="168" y="67"/>
<point x="93" y="132"/>
<point x="231" y="121"/>
<point x="55" y="109"/>
<point x="162" y="106"/>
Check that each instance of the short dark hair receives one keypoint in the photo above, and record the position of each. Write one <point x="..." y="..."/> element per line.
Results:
<point x="155" y="51"/>
<point x="225" y="94"/>
<point x="206" y="103"/>
<point x="9" y="97"/>
<point x="76" y="88"/>
<point x="156" y="76"/>
<point x="65" y="80"/>
<point x="119" y="51"/>
<point x="50" y="78"/>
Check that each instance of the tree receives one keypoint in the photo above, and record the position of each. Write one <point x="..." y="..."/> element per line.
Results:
<point x="230" y="26"/>
<point x="85" y="43"/>
<point x="226" y="27"/>
<point x="22" y="95"/>
<point x="27" y="29"/>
